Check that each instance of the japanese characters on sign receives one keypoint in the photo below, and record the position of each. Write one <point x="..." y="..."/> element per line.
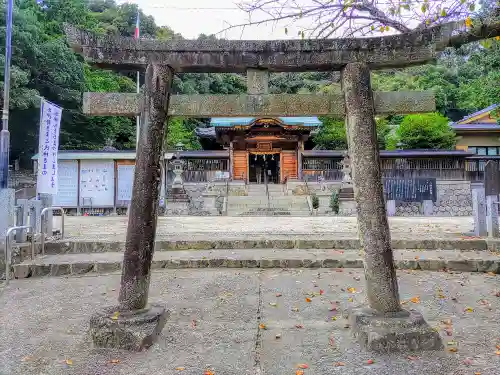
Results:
<point x="50" y="121"/>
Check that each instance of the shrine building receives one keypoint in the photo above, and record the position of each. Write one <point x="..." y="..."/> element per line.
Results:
<point x="261" y="149"/>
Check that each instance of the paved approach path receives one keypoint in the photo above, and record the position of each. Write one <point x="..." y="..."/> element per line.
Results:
<point x="113" y="228"/>
<point x="215" y="318"/>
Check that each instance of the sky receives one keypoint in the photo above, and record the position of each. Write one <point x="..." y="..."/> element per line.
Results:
<point x="193" y="17"/>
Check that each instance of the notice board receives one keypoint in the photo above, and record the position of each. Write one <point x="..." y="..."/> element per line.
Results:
<point x="97" y="183"/>
<point x="125" y="182"/>
<point x="67" y="184"/>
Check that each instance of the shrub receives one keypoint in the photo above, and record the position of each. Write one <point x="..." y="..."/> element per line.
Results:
<point x="315" y="202"/>
<point x="334" y="203"/>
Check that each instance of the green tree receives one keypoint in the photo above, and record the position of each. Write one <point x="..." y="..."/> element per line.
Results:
<point x="332" y="134"/>
<point x="424" y="131"/>
<point x="177" y="132"/>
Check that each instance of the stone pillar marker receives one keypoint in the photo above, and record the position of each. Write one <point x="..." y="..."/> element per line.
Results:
<point x="492" y="216"/>
<point x="384" y="325"/>
<point x="479" y="209"/>
<point x="134" y="324"/>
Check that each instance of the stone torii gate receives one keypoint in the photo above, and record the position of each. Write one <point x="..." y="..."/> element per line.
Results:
<point x="384" y="325"/>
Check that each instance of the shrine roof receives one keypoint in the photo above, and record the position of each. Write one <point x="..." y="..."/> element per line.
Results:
<point x="245" y="121"/>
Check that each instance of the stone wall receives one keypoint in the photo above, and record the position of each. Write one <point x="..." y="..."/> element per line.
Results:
<point x="453" y="199"/>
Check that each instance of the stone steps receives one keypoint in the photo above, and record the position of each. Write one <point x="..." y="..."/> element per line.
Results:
<point x="295" y="240"/>
<point x="95" y="263"/>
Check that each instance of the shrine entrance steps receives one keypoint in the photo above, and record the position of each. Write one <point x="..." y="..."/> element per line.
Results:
<point x="73" y="258"/>
<point x="273" y="202"/>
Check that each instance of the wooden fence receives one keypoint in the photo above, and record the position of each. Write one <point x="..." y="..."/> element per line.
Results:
<point x="330" y="169"/>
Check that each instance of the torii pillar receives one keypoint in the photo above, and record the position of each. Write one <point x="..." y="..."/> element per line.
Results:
<point x="134" y="324"/>
<point x="383" y="325"/>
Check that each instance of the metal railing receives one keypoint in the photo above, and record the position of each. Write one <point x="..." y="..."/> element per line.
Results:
<point x="8" y="247"/>
<point x="42" y="234"/>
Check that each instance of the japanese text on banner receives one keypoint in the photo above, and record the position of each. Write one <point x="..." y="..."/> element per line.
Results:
<point x="50" y="121"/>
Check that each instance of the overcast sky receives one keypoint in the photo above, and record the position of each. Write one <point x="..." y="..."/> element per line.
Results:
<point x="193" y="17"/>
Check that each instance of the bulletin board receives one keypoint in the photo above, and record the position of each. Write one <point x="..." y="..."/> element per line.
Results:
<point x="125" y="182"/>
<point x="97" y="183"/>
<point x="67" y="184"/>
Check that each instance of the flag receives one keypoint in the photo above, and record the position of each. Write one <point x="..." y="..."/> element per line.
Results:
<point x="137" y="24"/>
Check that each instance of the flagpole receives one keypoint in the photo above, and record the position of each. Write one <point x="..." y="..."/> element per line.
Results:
<point x="138" y="118"/>
<point x="4" y="134"/>
<point x="138" y="87"/>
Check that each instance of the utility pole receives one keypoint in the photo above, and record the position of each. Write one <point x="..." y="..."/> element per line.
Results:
<point x="6" y="194"/>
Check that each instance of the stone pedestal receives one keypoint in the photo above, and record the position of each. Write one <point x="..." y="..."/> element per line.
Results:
<point x="48" y="222"/>
<point x="391" y="207"/>
<point x="6" y="211"/>
<point x="129" y="330"/>
<point x="479" y="210"/>
<point x="393" y="331"/>
<point x="492" y="215"/>
<point x="428" y="207"/>
<point x="22" y="219"/>
<point x="209" y="202"/>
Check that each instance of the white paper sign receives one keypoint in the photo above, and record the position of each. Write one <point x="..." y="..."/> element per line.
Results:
<point x="50" y="121"/>
<point x="125" y="182"/>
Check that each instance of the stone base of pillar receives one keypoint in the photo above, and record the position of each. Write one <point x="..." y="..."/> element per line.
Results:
<point x="128" y="330"/>
<point x="393" y="332"/>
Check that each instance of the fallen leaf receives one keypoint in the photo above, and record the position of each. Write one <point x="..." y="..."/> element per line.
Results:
<point x="447" y="322"/>
<point x="498" y="346"/>
<point x="278" y="336"/>
<point x="357" y="278"/>
<point x="339" y="270"/>
<point x="453" y="350"/>
<point x="273" y="304"/>
<point x="350" y="299"/>
<point x="115" y="315"/>
<point x="69" y="362"/>
<point x="468" y="361"/>
<point x="308" y="299"/>
<point x="469" y="309"/>
<point x="417" y="257"/>
<point x="180" y="368"/>
<point x="299" y="326"/>
<point x="262" y="326"/>
<point x="299" y="372"/>
<point x="498" y="352"/>
<point x="347" y="326"/>
<point x="334" y="318"/>
<point x="114" y="361"/>
<point x="278" y="294"/>
<point x="451" y="343"/>
<point x="295" y="309"/>
<point x="491" y="273"/>
<point x="302" y="365"/>
<point x="25" y="359"/>
<point x="321" y="292"/>
<point x="351" y="290"/>
<point x="497" y="294"/>
<point x="332" y="341"/>
<point x="448" y="332"/>
<point x="338" y="364"/>
<point x="477" y="373"/>
<point x="404" y="302"/>
<point x="412" y="358"/>
<point x="370" y="362"/>
<point x="415" y="299"/>
<point x="193" y="323"/>
<point x="208" y="372"/>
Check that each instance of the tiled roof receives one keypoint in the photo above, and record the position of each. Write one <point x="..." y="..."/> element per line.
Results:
<point x="483" y="111"/>
<point x="234" y="121"/>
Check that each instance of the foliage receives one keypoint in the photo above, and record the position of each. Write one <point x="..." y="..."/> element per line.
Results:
<point x="425" y="131"/>
<point x="332" y="134"/>
<point x="334" y="202"/>
<point x="347" y="18"/>
<point x="177" y="132"/>
<point x="315" y="201"/>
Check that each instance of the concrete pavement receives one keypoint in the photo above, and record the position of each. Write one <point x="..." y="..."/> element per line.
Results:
<point x="216" y="314"/>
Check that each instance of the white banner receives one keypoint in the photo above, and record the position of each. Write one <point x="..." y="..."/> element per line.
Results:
<point x="50" y="121"/>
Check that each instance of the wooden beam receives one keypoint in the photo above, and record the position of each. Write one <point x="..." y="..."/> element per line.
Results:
<point x="283" y="105"/>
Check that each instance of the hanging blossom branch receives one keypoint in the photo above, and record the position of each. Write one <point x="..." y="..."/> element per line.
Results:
<point x="350" y="18"/>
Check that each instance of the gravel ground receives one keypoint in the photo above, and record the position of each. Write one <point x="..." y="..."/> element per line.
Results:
<point x="215" y="317"/>
<point x="114" y="228"/>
